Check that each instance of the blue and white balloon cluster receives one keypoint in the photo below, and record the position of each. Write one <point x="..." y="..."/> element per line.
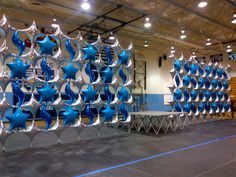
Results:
<point x="111" y="77"/>
<point x="199" y="89"/>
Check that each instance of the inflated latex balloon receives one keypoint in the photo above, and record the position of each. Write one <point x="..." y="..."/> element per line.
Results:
<point x="201" y="107"/>
<point x="177" y="79"/>
<point x="18" y="119"/>
<point x="18" y="92"/>
<point x="108" y="114"/>
<point x="177" y="107"/>
<point x="108" y="55"/>
<point x="46" y="69"/>
<point x="70" y="49"/>
<point x="186" y="107"/>
<point x="18" y="43"/>
<point x="69" y="116"/>
<point x="46" y="46"/>
<point x="90" y="53"/>
<point x="69" y="71"/>
<point x="46" y="93"/>
<point x="18" y="68"/>
<point x="186" y="67"/>
<point x="47" y="118"/>
<point x="201" y="82"/>
<point x="193" y="68"/>
<point x="186" y="80"/>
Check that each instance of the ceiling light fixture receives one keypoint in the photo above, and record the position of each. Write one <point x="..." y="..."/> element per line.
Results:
<point x="183" y="35"/>
<point x="234" y="18"/>
<point x="147" y="23"/>
<point x="85" y="5"/>
<point x="111" y="37"/>
<point x="208" y="43"/>
<point x="193" y="55"/>
<point x="146" y="43"/>
<point x="228" y="49"/>
<point x="54" y="25"/>
<point x="202" y="4"/>
<point x="54" y="19"/>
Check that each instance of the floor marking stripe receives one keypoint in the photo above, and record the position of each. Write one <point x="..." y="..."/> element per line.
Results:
<point x="158" y="155"/>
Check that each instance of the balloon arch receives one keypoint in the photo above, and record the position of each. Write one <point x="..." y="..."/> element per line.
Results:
<point x="75" y="59"/>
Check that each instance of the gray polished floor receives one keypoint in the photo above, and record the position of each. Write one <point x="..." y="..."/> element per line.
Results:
<point x="210" y="159"/>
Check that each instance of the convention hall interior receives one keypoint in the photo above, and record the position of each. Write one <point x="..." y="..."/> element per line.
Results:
<point x="108" y="88"/>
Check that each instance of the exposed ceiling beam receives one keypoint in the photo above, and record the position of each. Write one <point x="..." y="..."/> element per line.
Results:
<point x="171" y="22"/>
<point x="231" y="2"/>
<point x="173" y="2"/>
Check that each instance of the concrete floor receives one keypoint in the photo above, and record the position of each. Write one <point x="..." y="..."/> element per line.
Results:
<point x="198" y="151"/>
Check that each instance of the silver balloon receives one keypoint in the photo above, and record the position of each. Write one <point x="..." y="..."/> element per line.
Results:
<point x="57" y="81"/>
<point x="32" y="105"/>
<point x="99" y="84"/>
<point x="58" y="104"/>
<point x="99" y="103"/>
<point x="78" y="104"/>
<point x="4" y="105"/>
<point x="130" y="85"/>
<point x="172" y="73"/>
<point x="33" y="81"/>
<point x="4" y="80"/>
<point x="79" y="83"/>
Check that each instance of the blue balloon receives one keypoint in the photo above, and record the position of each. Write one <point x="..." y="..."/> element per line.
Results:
<point x="69" y="116"/>
<point x="220" y="105"/>
<point x="186" y="107"/>
<point x="46" y="69"/>
<point x="214" y="106"/>
<point x="123" y="94"/>
<point x="47" y="118"/>
<point x="226" y="106"/>
<point x="90" y="114"/>
<point x="201" y="94"/>
<point x="219" y="72"/>
<point x="70" y="93"/>
<point x="18" y="119"/>
<point x="177" y="107"/>
<point x="207" y="83"/>
<point x="225" y="85"/>
<point x="214" y="95"/>
<point x="219" y="84"/>
<point x="46" y="46"/>
<point x="226" y="96"/>
<point x="177" y="94"/>
<point x="208" y="70"/>
<point x="89" y="72"/>
<point x="123" y="57"/>
<point x="107" y="75"/>
<point x="18" y="92"/>
<point x="224" y="74"/>
<point x="177" y="79"/>
<point x="214" y="71"/>
<point x="207" y="95"/>
<point x="186" y="67"/>
<point x="194" y="94"/>
<point x="18" y="43"/>
<point x="193" y="108"/>
<point x="201" y="72"/>
<point x="18" y="68"/>
<point x="124" y="111"/>
<point x="46" y="93"/>
<point x="89" y="94"/>
<point x="177" y="65"/>
<point x="186" y="94"/>
<point x="207" y="106"/>
<point x="220" y="95"/>
<point x="69" y="71"/>
<point x="108" y="55"/>
<point x="122" y="75"/>
<point x="108" y="113"/>
<point x="201" y="107"/>
<point x="186" y="80"/>
<point x="193" y="81"/>
<point x="214" y="83"/>
<point x="89" y="53"/>
<point x="201" y="82"/>
<point x="70" y="49"/>
<point x="193" y="68"/>
<point x="108" y="93"/>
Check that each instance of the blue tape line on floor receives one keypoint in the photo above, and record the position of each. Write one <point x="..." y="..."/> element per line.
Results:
<point x="157" y="155"/>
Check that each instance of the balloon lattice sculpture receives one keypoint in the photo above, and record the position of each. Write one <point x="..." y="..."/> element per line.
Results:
<point x="199" y="89"/>
<point x="75" y="60"/>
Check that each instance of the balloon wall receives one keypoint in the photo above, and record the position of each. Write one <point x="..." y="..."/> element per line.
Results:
<point x="74" y="58"/>
<point x="199" y="89"/>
